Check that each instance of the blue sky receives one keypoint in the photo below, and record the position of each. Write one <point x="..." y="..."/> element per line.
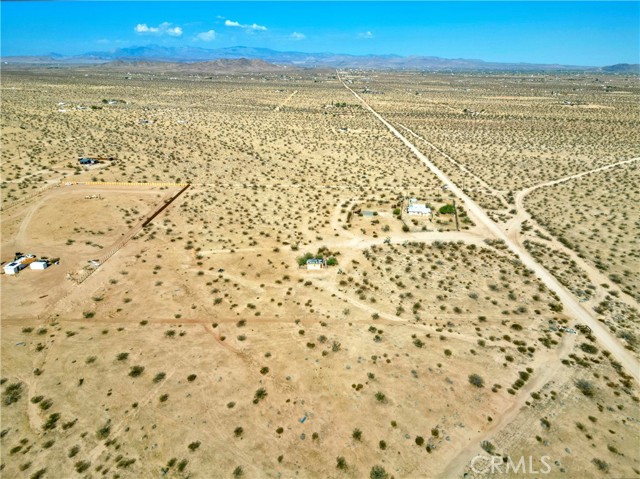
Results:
<point x="578" y="33"/>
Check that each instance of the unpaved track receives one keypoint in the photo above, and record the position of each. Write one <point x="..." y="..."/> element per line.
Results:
<point x="456" y="163"/>
<point x="285" y="102"/>
<point x="522" y="215"/>
<point x="545" y="370"/>
<point x="571" y="305"/>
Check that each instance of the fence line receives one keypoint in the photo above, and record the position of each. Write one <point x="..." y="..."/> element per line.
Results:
<point x="125" y="183"/>
<point x="33" y="194"/>
<point x="132" y="233"/>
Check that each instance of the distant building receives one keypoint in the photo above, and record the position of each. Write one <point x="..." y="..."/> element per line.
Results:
<point x="314" y="263"/>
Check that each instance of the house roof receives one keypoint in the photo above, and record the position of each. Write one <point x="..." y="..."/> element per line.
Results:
<point x="315" y="261"/>
<point x="418" y="208"/>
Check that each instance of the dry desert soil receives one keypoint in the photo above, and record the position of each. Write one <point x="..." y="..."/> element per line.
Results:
<point x="175" y="334"/>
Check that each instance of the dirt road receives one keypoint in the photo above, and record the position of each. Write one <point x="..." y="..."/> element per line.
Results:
<point x="571" y="305"/>
<point x="512" y="227"/>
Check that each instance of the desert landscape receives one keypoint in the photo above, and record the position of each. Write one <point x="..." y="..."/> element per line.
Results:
<point x="257" y="271"/>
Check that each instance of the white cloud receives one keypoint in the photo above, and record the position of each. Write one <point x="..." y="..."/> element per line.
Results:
<point x="252" y="27"/>
<point x="143" y="28"/>
<point x="365" y="35"/>
<point x="164" y="28"/>
<point x="174" y="32"/>
<point x="207" y="36"/>
<point x="298" y="36"/>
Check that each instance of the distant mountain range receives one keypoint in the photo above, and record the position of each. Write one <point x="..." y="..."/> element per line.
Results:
<point x="156" y="53"/>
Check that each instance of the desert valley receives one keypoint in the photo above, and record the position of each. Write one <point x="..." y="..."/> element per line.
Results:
<point x="258" y="271"/>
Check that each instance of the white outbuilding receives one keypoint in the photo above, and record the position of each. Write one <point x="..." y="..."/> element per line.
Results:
<point x="314" y="263"/>
<point x="39" y="265"/>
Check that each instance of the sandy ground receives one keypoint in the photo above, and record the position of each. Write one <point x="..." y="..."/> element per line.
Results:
<point x="253" y="366"/>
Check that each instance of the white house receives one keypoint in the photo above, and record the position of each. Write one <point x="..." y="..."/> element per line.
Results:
<point x="418" y="209"/>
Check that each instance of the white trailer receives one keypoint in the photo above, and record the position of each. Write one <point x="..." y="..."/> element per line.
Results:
<point x="13" y="267"/>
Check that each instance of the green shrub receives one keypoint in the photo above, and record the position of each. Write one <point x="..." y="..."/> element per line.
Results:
<point x="447" y="209"/>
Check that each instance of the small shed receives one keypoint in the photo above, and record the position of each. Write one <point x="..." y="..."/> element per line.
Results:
<point x="40" y="264"/>
<point x="315" y="263"/>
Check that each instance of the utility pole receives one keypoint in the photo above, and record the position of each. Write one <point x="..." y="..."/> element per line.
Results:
<point x="455" y="212"/>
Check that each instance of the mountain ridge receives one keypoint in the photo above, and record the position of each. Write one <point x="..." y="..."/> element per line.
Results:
<point x="188" y="54"/>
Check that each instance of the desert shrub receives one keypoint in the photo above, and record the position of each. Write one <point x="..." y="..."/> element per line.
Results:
<point x="136" y="371"/>
<point x="419" y="440"/>
<point x="488" y="447"/>
<point x="238" y="472"/>
<point x="73" y="451"/>
<point x="194" y="445"/>
<point x="38" y="474"/>
<point x="82" y="466"/>
<point x="12" y="394"/>
<point x="600" y="464"/>
<point x="159" y="377"/>
<point x="51" y="421"/>
<point x="260" y="394"/>
<point x="589" y="348"/>
<point x="341" y="463"/>
<point x="124" y="462"/>
<point x="357" y="434"/>
<point x="122" y="356"/>
<point x="476" y="380"/>
<point x="585" y="387"/>
<point x="104" y="431"/>
<point x="378" y="472"/>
